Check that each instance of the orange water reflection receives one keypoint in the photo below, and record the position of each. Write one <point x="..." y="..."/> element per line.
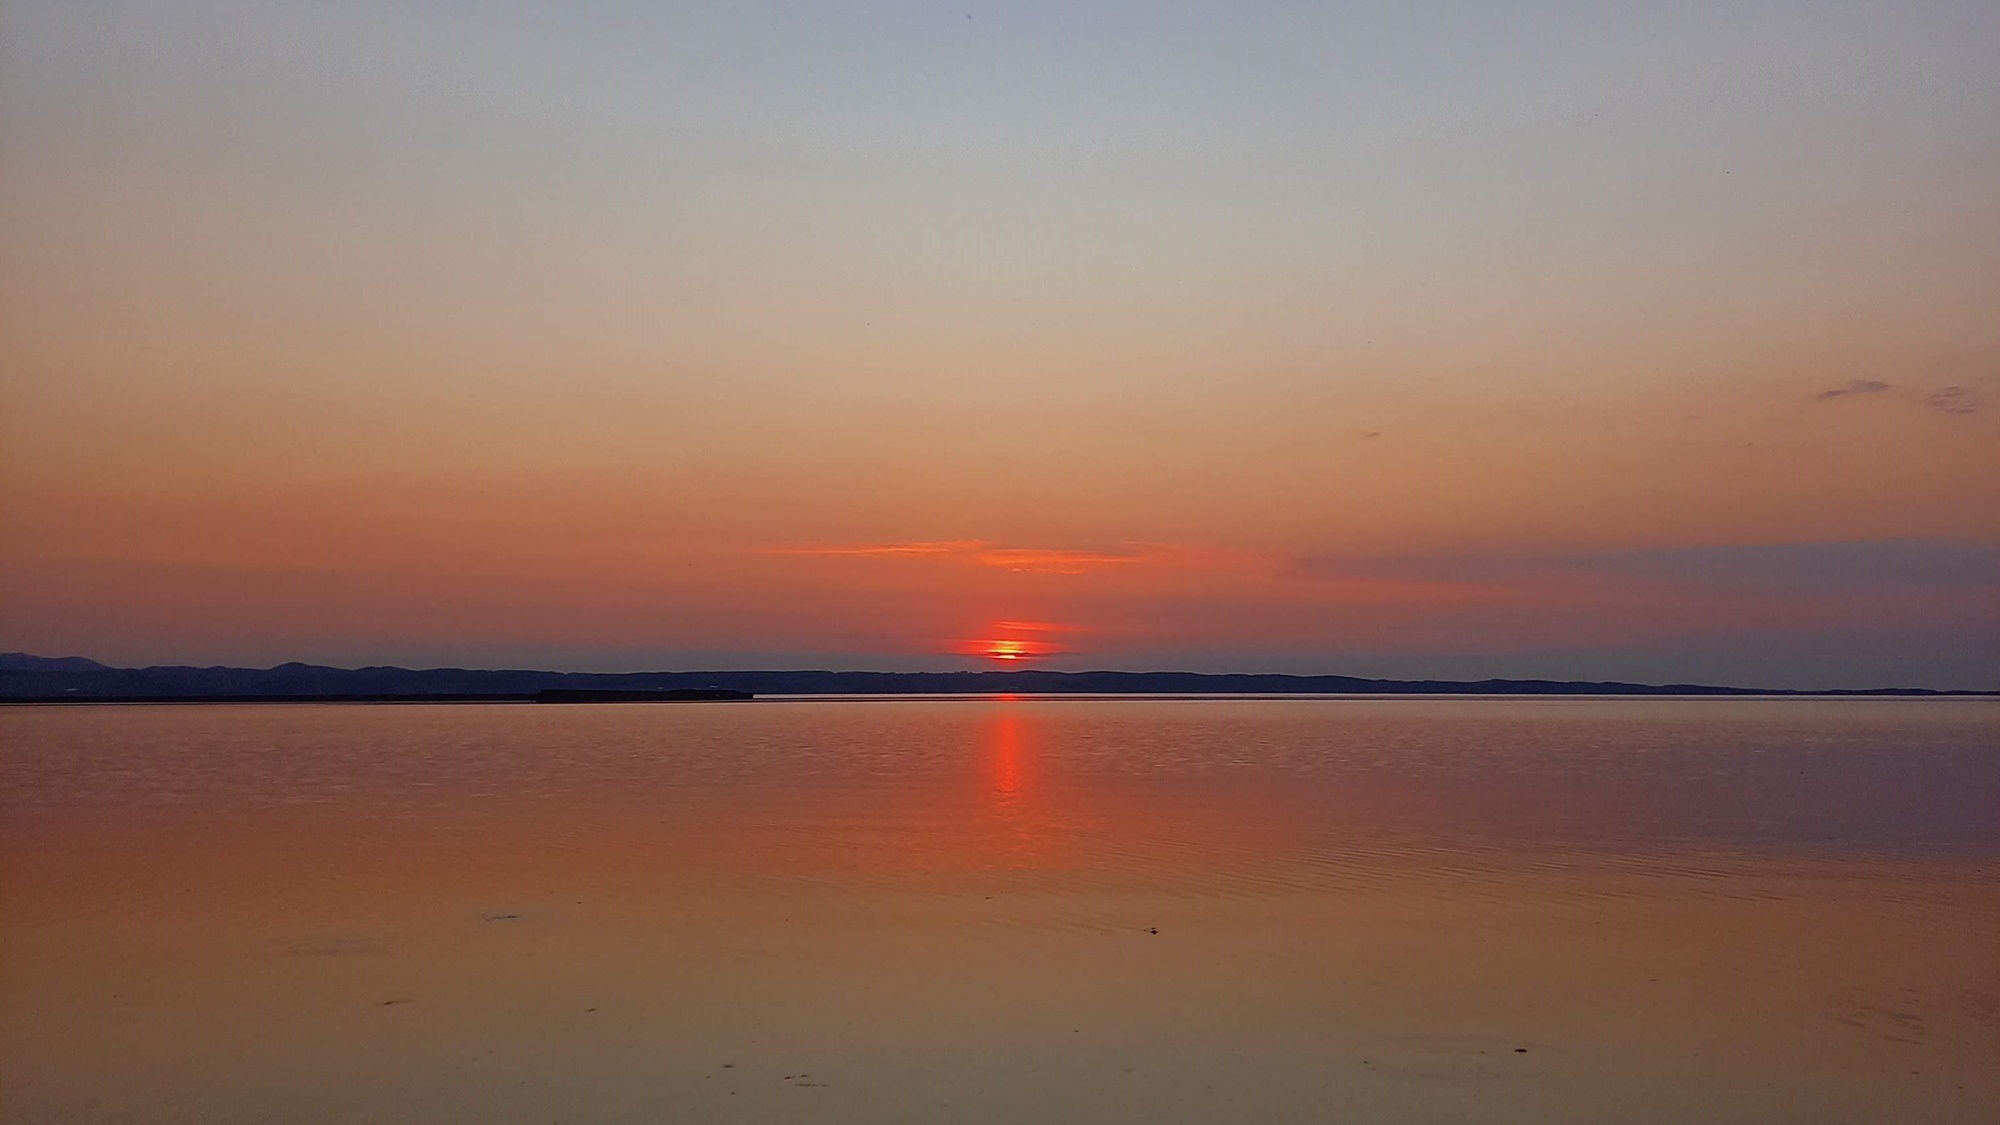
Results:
<point x="1005" y="742"/>
<point x="1022" y="828"/>
<point x="326" y="914"/>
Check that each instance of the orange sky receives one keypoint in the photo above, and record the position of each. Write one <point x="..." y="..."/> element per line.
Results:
<point x="1261" y="344"/>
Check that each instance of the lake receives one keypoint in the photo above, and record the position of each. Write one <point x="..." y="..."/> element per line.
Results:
<point x="1003" y="909"/>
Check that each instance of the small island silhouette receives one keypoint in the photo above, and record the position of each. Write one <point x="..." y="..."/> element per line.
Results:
<point x="25" y="678"/>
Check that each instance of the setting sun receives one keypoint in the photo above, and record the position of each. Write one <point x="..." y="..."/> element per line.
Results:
<point x="1015" y="651"/>
<point x="997" y="645"/>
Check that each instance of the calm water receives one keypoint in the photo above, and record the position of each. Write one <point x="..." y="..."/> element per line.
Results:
<point x="1115" y="910"/>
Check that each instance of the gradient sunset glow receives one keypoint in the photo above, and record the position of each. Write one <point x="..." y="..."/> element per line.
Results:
<point x="1546" y="341"/>
<point x="1017" y="642"/>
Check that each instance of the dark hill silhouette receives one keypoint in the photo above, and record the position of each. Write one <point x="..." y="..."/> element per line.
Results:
<point x="24" y="677"/>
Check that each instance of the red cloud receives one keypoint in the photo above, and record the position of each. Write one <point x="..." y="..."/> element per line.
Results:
<point x="979" y="552"/>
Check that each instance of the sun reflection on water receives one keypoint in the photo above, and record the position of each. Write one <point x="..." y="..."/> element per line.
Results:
<point x="1017" y="808"/>
<point x="1006" y="748"/>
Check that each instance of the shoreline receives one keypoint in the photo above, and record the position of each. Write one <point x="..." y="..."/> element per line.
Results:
<point x="596" y="698"/>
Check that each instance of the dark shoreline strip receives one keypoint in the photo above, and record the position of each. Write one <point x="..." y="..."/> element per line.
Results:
<point x="28" y="678"/>
<point x="588" y="697"/>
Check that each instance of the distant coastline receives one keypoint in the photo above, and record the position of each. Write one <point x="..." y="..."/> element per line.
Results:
<point x="25" y="678"/>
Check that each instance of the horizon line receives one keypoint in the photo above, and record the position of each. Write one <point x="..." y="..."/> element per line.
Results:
<point x="52" y="666"/>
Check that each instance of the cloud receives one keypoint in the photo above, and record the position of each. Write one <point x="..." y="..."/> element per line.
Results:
<point x="926" y="549"/>
<point x="1857" y="387"/>
<point x="1036" y="560"/>
<point x="1036" y="627"/>
<point x="979" y="552"/>
<point x="1955" y="400"/>
<point x="1790" y="566"/>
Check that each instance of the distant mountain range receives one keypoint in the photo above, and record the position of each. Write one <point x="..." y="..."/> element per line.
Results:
<point x="26" y="678"/>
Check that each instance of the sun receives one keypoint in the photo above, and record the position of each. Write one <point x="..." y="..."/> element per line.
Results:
<point x="1002" y="645"/>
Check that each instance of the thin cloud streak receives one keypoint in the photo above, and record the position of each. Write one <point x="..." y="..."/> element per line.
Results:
<point x="1844" y="565"/>
<point x="1857" y="387"/>
<point x="980" y="552"/>
<point x="1955" y="400"/>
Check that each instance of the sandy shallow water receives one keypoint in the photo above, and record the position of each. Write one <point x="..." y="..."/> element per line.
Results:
<point x="1004" y="910"/>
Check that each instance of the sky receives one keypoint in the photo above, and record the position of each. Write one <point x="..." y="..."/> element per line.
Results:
<point x="1604" y="340"/>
